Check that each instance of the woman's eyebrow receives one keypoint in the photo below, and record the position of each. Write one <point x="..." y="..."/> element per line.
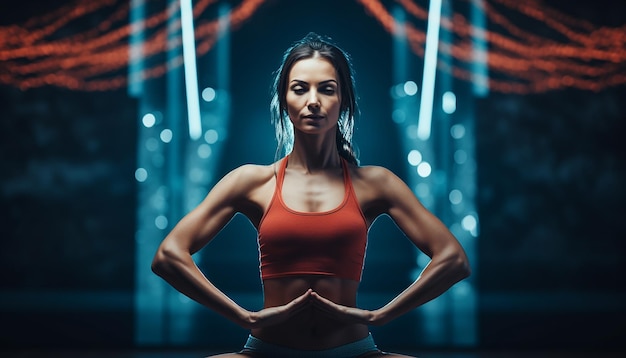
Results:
<point x="321" y="83"/>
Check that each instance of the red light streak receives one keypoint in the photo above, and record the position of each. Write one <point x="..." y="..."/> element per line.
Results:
<point x="520" y="59"/>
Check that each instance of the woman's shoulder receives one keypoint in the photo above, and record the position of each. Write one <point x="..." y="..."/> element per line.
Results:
<point x="251" y="175"/>
<point x="372" y="174"/>
<point x="241" y="181"/>
<point x="379" y="184"/>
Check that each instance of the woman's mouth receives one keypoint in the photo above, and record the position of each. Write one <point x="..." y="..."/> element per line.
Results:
<point x="314" y="116"/>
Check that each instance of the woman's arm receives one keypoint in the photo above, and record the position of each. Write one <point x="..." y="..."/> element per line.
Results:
<point x="448" y="263"/>
<point x="173" y="261"/>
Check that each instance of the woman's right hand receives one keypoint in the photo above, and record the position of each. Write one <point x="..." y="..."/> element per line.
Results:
<point x="274" y="315"/>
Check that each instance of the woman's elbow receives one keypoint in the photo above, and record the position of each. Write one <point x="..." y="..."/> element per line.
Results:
<point x="462" y="266"/>
<point x="159" y="263"/>
<point x="163" y="260"/>
<point x="457" y="265"/>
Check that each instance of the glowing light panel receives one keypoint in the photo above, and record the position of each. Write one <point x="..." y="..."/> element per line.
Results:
<point x="191" y="73"/>
<point x="430" y="69"/>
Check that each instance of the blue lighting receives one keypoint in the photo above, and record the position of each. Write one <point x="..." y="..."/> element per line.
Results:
<point x="424" y="169"/>
<point x="442" y="170"/>
<point x="430" y="69"/>
<point x="208" y="94"/>
<point x="460" y="156"/>
<point x="166" y="135"/>
<point x="152" y="144"/>
<point x="422" y="190"/>
<point x="470" y="224"/>
<point x="211" y="136"/>
<point x="204" y="151"/>
<point x="398" y="116"/>
<point x="157" y="160"/>
<point x="398" y="91"/>
<point x="448" y="103"/>
<point x="197" y="175"/>
<point x="141" y="175"/>
<point x="457" y="131"/>
<point x="480" y="67"/>
<point x="410" y="88"/>
<point x="455" y="196"/>
<point x="411" y="131"/>
<point x="161" y="222"/>
<point x="136" y="40"/>
<point x="148" y="120"/>
<point x="191" y="73"/>
<point x="414" y="157"/>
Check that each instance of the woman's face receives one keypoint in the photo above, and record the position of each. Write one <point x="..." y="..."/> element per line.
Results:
<point x="313" y="96"/>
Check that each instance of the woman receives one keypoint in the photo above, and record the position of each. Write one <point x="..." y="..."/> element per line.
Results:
<point x="312" y="210"/>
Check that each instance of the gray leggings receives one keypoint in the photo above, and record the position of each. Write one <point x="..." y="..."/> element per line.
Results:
<point x="257" y="348"/>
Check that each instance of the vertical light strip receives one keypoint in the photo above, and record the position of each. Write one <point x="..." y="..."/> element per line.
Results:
<point x="136" y="44"/>
<point x="223" y="47"/>
<point x="149" y="318"/>
<point x="400" y="47"/>
<point x="430" y="69"/>
<point x="191" y="74"/>
<point x="480" y="67"/>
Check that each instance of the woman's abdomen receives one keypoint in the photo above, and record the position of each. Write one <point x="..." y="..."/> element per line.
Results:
<point x="311" y="328"/>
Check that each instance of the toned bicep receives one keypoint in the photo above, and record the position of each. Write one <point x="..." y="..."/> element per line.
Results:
<point x="202" y="224"/>
<point x="423" y="228"/>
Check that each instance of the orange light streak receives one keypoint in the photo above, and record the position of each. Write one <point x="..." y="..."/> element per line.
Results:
<point x="578" y="54"/>
<point x="77" y="65"/>
<point x="520" y="61"/>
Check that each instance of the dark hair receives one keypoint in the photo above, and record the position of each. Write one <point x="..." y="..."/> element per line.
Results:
<point x="310" y="46"/>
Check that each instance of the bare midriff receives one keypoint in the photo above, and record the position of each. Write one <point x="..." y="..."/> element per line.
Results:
<point x="311" y="329"/>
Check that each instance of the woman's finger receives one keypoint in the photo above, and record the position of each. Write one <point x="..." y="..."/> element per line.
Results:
<point x="342" y="313"/>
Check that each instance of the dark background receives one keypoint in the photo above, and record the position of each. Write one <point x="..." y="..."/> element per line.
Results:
<point x="551" y="174"/>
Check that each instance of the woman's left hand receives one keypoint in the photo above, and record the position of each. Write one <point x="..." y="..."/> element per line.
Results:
<point x="343" y="313"/>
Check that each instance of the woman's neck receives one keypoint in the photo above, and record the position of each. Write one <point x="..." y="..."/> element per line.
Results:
<point x="312" y="153"/>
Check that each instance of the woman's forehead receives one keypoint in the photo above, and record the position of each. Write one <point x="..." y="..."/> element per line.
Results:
<point x="317" y="68"/>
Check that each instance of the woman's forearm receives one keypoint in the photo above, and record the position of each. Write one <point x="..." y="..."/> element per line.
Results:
<point x="181" y="272"/>
<point x="437" y="277"/>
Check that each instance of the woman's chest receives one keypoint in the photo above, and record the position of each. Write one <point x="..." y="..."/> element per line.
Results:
<point x="313" y="192"/>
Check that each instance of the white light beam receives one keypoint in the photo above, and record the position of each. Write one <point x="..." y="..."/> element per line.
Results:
<point x="191" y="73"/>
<point x="430" y="69"/>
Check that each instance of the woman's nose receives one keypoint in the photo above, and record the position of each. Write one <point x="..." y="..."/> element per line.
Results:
<point x="313" y="100"/>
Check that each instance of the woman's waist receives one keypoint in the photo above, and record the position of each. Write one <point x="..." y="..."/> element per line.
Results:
<point x="311" y="329"/>
<point x="280" y="291"/>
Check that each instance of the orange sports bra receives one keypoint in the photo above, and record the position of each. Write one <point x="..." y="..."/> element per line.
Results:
<point x="330" y="243"/>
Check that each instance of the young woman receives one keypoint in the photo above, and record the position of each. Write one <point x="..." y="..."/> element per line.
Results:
<point x="312" y="210"/>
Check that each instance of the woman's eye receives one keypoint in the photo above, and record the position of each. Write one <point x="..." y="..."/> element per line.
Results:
<point x="328" y="90"/>
<point x="298" y="90"/>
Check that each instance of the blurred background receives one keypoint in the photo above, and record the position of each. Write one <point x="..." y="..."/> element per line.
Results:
<point x="506" y="118"/>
